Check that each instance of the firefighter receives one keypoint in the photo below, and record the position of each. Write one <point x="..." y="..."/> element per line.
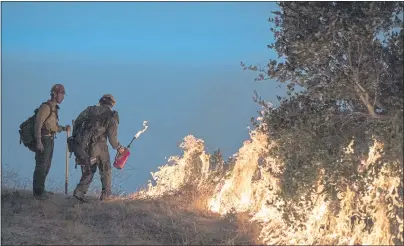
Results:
<point x="46" y="127"/>
<point x="98" y="153"/>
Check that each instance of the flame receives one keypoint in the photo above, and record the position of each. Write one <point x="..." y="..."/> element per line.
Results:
<point x="145" y="126"/>
<point x="245" y="188"/>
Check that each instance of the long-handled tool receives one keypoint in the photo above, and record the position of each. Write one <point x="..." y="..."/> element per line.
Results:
<point x="75" y="160"/>
<point x="121" y="158"/>
<point x="67" y="163"/>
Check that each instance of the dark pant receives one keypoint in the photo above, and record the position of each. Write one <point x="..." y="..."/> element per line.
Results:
<point x="43" y="164"/>
<point x="88" y="174"/>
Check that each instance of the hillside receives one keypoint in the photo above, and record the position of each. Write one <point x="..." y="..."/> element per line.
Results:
<point x="121" y="221"/>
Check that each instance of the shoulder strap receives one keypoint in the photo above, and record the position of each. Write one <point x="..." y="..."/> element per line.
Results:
<point x="51" y="110"/>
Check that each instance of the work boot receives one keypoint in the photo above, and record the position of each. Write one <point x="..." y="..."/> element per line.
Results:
<point x="105" y="197"/>
<point x="79" y="195"/>
<point x="49" y="193"/>
<point x="41" y="196"/>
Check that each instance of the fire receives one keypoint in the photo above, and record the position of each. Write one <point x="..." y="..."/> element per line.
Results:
<point x="249" y="187"/>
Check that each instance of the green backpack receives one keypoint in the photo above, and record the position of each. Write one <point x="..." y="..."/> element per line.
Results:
<point x="27" y="130"/>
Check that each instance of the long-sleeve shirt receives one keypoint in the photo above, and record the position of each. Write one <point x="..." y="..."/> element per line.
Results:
<point x="47" y="118"/>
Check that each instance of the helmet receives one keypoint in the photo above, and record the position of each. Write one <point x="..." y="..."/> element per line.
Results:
<point x="58" y="88"/>
<point x="108" y="98"/>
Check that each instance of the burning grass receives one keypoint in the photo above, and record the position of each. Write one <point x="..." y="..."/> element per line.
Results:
<point x="191" y="192"/>
<point x="368" y="211"/>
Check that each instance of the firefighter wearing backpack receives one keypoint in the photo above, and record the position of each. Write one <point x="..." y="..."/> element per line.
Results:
<point x="89" y="143"/>
<point x="45" y="128"/>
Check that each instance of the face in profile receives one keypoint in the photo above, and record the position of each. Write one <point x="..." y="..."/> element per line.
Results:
<point x="59" y="97"/>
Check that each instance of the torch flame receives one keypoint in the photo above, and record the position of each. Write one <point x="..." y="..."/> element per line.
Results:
<point x="143" y="130"/>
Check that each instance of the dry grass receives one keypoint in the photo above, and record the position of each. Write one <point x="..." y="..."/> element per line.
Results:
<point x="192" y="200"/>
<point x="121" y="221"/>
<point x="365" y="213"/>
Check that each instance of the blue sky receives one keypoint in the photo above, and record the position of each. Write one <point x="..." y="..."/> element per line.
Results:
<point x="175" y="64"/>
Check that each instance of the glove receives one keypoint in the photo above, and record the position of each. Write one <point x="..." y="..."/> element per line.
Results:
<point x="67" y="128"/>
<point x="121" y="149"/>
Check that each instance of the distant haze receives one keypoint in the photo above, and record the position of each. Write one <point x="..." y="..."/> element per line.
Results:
<point x="174" y="64"/>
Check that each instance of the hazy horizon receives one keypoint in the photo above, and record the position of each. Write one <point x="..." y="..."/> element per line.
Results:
<point x="176" y="65"/>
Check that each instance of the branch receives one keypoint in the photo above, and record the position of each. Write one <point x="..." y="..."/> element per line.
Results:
<point x="349" y="55"/>
<point x="375" y="102"/>
<point x="363" y="94"/>
<point x="360" y="48"/>
<point x="379" y="73"/>
<point x="355" y="72"/>
<point x="333" y="29"/>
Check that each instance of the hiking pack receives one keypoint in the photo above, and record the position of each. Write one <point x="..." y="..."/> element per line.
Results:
<point x="27" y="128"/>
<point x="85" y="136"/>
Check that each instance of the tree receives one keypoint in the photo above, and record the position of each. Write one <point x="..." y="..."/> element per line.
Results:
<point x="348" y="58"/>
<point x="332" y="49"/>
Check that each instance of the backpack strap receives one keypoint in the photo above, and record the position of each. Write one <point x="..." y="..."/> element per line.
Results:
<point x="52" y="110"/>
<point x="56" y="110"/>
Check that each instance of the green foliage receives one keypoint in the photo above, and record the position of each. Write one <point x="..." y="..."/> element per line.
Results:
<point x="348" y="58"/>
